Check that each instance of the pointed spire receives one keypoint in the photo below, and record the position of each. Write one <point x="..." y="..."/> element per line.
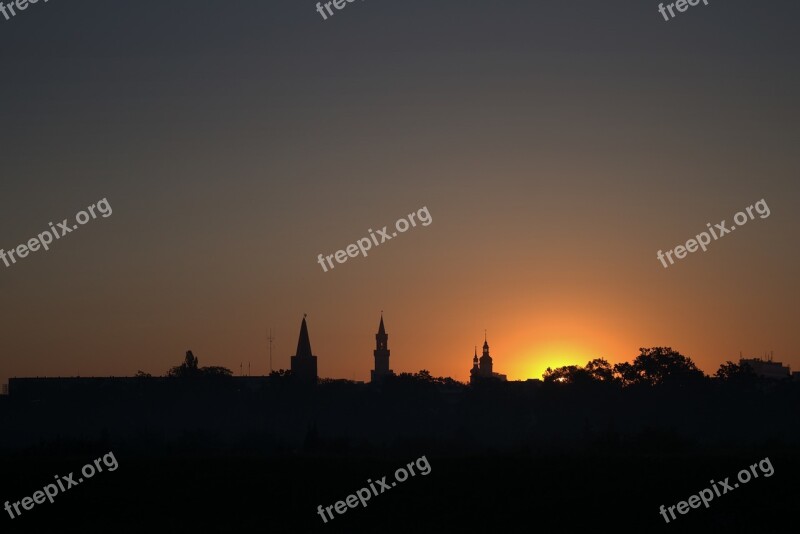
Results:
<point x="381" y="338"/>
<point x="304" y="343"/>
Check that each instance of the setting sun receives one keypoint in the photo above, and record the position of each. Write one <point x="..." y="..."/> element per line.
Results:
<point x="539" y="357"/>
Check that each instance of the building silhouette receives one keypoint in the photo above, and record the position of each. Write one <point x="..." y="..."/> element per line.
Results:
<point x="381" y="354"/>
<point x="304" y="371"/>
<point x="767" y="368"/>
<point x="304" y="363"/>
<point x="482" y="368"/>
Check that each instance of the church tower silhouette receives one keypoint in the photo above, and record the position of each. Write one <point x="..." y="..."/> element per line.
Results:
<point x="304" y="363"/>
<point x="483" y="367"/>
<point x="381" y="354"/>
<point x="486" y="360"/>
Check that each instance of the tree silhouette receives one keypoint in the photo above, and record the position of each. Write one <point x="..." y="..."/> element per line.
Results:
<point x="658" y="365"/>
<point x="280" y="374"/>
<point x="597" y="370"/>
<point x="568" y="374"/>
<point x="189" y="369"/>
<point x="730" y="372"/>
<point x="215" y="371"/>
<point x="424" y="375"/>
<point x="601" y="370"/>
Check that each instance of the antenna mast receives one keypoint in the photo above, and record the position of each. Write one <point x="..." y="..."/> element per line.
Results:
<point x="270" y="339"/>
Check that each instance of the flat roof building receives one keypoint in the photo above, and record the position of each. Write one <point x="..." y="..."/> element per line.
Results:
<point x="767" y="368"/>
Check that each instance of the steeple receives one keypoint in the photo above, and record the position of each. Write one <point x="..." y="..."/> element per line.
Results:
<point x="304" y="363"/>
<point x="381" y="338"/>
<point x="486" y="359"/>
<point x="381" y="354"/>
<point x="304" y="343"/>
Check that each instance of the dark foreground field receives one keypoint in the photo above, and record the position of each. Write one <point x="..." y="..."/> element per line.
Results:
<point x="247" y="493"/>
<point x="205" y="457"/>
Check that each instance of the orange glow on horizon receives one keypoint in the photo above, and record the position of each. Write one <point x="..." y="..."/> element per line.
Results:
<point x="535" y="359"/>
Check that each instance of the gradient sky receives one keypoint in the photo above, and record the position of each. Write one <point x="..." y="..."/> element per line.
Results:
<point x="557" y="145"/>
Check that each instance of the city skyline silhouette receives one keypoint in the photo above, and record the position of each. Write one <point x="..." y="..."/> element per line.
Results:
<point x="554" y="175"/>
<point x="525" y="266"/>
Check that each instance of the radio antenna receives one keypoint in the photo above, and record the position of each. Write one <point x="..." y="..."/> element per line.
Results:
<point x="270" y="339"/>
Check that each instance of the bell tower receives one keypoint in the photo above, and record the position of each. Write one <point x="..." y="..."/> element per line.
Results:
<point x="381" y="354"/>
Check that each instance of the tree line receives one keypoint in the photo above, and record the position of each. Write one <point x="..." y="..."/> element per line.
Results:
<point x="653" y="366"/>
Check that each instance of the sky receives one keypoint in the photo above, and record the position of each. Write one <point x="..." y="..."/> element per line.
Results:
<point x="557" y="146"/>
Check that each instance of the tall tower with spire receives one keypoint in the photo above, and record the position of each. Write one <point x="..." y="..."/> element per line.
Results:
<point x="304" y="363"/>
<point x="381" y="354"/>
<point x="482" y="368"/>
<point x="475" y="367"/>
<point x="486" y="360"/>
